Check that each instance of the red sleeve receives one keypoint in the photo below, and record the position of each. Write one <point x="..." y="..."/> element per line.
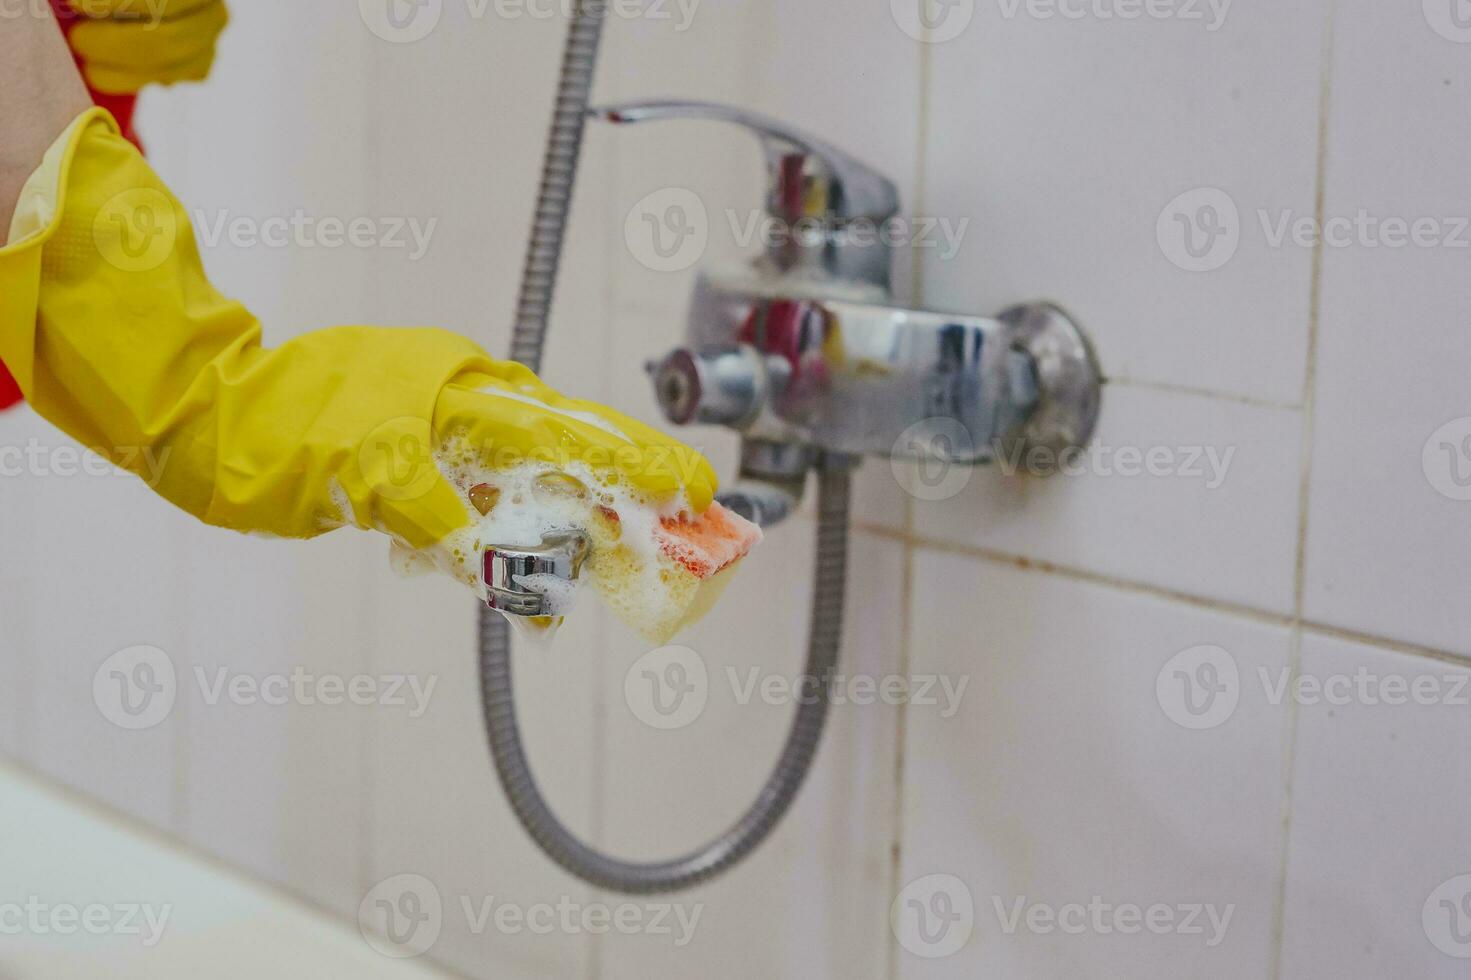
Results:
<point x="121" y="106"/>
<point x="9" y="390"/>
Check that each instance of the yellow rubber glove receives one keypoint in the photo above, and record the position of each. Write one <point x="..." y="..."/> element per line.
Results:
<point x="114" y="334"/>
<point x="124" y="45"/>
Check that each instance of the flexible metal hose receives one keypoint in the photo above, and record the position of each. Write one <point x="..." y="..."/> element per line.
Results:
<point x="781" y="787"/>
<point x="825" y="630"/>
<point x="558" y="174"/>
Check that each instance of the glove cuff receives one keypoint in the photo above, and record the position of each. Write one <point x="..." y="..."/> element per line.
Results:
<point x="38" y="209"/>
<point x="37" y="217"/>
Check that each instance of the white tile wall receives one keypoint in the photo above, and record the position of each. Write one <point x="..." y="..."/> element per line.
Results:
<point x="113" y="583"/>
<point x="1393" y="340"/>
<point x="16" y="692"/>
<point x="1106" y="121"/>
<point x="1062" y="777"/>
<point x="1062" y="141"/>
<point x="1217" y="518"/>
<point x="435" y="808"/>
<point x="813" y="901"/>
<point x="1376" y="830"/>
<point x="278" y="789"/>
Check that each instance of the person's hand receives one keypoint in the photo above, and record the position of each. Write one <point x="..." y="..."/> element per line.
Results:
<point x="123" y="45"/>
<point x="116" y="336"/>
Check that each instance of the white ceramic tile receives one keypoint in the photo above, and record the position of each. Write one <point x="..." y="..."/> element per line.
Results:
<point x="1063" y="138"/>
<point x="17" y="427"/>
<point x="438" y="810"/>
<point x="1386" y="525"/>
<point x="106" y="579"/>
<point x="246" y="147"/>
<point x="711" y="55"/>
<point x="715" y="58"/>
<point x="1191" y="529"/>
<point x="866" y="102"/>
<point x="276" y="774"/>
<point x="1378" y="795"/>
<point x="1063" y="778"/>
<point x="811" y="901"/>
<point x="715" y="176"/>
<point x="275" y="788"/>
<point x="475" y="171"/>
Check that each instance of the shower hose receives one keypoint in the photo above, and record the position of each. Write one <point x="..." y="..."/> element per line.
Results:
<point x="825" y="631"/>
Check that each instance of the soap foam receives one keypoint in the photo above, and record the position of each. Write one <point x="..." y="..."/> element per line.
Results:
<point x="636" y="561"/>
<point x="560" y="594"/>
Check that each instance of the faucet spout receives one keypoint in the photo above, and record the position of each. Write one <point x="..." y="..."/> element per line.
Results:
<point x="518" y="577"/>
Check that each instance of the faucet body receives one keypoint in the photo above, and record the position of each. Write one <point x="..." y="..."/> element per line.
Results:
<point x="803" y="353"/>
<point x="870" y="379"/>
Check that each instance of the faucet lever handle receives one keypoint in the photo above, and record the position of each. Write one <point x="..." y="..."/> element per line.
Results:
<point x="809" y="177"/>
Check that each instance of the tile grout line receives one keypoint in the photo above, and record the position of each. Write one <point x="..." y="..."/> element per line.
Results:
<point x="598" y="804"/>
<point x="1385" y="644"/>
<point x="179" y="815"/>
<point x="997" y="556"/>
<point x="27" y="687"/>
<point x="367" y="845"/>
<point x="1195" y="392"/>
<point x="1304" y="497"/>
<point x="906" y="582"/>
<point x="178" y="808"/>
<point x="901" y="742"/>
<point x="1240" y="610"/>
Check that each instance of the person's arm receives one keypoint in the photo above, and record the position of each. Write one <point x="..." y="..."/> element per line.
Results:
<point x="115" y="335"/>
<point x="41" y="92"/>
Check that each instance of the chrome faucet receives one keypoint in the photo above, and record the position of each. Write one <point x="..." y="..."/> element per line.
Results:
<point x="826" y="198"/>
<point x="803" y="353"/>
<point x="507" y="568"/>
